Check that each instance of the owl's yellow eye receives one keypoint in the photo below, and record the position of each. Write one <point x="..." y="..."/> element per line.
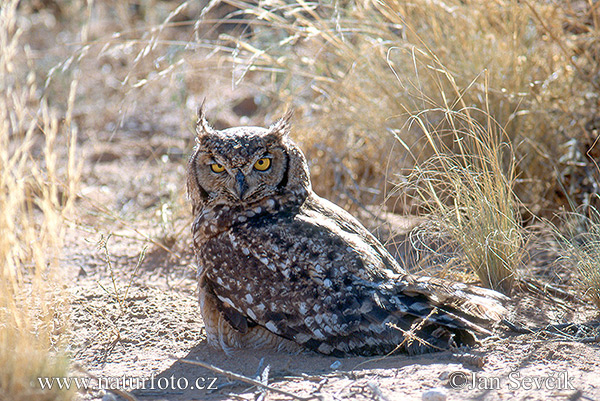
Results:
<point x="217" y="168"/>
<point x="262" y="164"/>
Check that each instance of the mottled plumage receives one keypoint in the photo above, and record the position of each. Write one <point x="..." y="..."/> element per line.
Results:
<point x="280" y="267"/>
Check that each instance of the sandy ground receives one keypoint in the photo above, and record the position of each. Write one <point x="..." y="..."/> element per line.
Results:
<point x="136" y="337"/>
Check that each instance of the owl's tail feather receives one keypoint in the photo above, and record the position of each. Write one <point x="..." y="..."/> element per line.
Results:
<point x="465" y="304"/>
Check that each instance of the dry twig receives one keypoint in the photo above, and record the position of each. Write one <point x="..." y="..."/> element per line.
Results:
<point x="244" y="379"/>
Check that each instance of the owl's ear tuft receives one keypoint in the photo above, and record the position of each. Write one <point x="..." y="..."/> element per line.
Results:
<point x="202" y="126"/>
<point x="281" y="128"/>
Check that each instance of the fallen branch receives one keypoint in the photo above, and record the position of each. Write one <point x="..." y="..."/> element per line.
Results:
<point x="242" y="378"/>
<point x="582" y="331"/>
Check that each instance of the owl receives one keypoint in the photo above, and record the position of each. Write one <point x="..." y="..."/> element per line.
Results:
<point x="280" y="267"/>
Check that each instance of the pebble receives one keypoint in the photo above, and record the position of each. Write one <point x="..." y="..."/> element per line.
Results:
<point x="109" y="397"/>
<point x="435" y="394"/>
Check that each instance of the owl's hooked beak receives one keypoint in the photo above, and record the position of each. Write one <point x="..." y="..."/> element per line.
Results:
<point x="241" y="186"/>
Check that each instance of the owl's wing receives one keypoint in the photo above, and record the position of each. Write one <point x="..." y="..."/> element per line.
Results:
<point x="303" y="278"/>
<point x="344" y="221"/>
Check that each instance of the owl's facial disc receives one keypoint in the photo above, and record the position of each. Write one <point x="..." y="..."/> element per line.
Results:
<point x="245" y="165"/>
<point x="241" y="165"/>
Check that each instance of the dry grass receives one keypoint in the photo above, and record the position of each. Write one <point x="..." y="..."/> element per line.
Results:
<point x="357" y="70"/>
<point x="34" y="192"/>
<point x="469" y="196"/>
<point x="581" y="247"/>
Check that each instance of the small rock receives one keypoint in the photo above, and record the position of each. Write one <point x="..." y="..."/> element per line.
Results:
<point x="335" y="365"/>
<point x="109" y="397"/>
<point x="246" y="107"/>
<point x="435" y="394"/>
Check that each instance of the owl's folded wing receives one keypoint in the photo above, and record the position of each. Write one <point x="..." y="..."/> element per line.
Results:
<point x="298" y="287"/>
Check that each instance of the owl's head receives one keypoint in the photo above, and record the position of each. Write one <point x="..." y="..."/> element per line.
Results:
<point x="245" y="165"/>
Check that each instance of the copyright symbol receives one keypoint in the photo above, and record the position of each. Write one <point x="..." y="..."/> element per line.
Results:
<point x="457" y="380"/>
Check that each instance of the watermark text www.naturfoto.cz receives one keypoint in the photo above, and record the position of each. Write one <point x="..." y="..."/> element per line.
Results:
<point x="127" y="383"/>
<point x="555" y="380"/>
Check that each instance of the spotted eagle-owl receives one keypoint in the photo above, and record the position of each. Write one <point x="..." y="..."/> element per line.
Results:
<point x="280" y="267"/>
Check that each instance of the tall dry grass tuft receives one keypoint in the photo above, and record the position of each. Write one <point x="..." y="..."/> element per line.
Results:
<point x="468" y="193"/>
<point x="467" y="184"/>
<point x="34" y="192"/>
<point x="580" y="241"/>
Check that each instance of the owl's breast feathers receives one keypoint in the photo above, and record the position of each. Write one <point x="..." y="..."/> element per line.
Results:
<point x="314" y="275"/>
